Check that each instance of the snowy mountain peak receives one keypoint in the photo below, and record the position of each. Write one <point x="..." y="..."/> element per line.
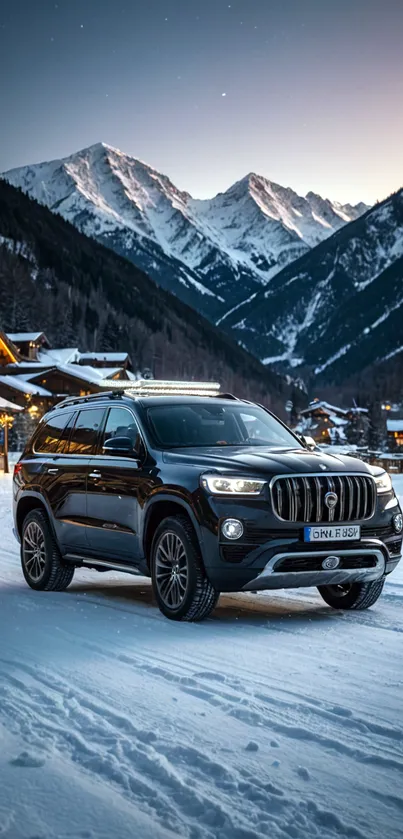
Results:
<point x="223" y="248"/>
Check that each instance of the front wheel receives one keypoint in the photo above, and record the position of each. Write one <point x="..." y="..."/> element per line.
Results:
<point x="352" y="595"/>
<point x="181" y="587"/>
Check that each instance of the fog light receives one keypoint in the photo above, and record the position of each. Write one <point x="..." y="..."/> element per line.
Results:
<point x="232" y="529"/>
<point x="397" y="522"/>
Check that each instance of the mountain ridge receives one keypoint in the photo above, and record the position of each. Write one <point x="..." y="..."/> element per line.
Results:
<point x="334" y="309"/>
<point x="210" y="253"/>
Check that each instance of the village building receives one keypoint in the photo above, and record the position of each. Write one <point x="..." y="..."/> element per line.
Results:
<point x="395" y="432"/>
<point x="324" y="422"/>
<point x="34" y="376"/>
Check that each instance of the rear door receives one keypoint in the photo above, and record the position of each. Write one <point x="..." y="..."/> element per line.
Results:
<point x="117" y="483"/>
<point x="48" y="473"/>
<point x="68" y="479"/>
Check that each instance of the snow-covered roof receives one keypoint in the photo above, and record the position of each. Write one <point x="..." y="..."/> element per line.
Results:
<point x="64" y="355"/>
<point x="116" y="357"/>
<point x="394" y="425"/>
<point x="22" y="337"/>
<point x="35" y="366"/>
<point x="326" y="407"/>
<point x="83" y="373"/>
<point x="6" y="405"/>
<point x="19" y="383"/>
<point x="93" y="375"/>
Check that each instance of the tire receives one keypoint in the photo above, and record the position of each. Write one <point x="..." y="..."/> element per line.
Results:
<point x="181" y="587"/>
<point x="41" y="560"/>
<point x="354" y="596"/>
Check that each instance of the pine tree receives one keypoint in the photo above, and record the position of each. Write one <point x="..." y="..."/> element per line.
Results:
<point x="377" y="435"/>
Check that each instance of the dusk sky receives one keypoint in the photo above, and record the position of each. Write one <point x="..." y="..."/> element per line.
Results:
<point x="308" y="93"/>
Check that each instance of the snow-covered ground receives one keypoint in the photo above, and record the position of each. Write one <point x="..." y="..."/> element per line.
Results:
<point x="275" y="718"/>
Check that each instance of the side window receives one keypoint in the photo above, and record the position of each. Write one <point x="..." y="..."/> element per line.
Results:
<point x="51" y="437"/>
<point x="121" y="423"/>
<point x="84" y="435"/>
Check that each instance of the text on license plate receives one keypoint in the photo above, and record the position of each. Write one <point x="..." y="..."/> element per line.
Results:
<point x="321" y="533"/>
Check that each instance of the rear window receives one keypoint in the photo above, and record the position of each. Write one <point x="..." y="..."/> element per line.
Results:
<point x="198" y="425"/>
<point x="52" y="435"/>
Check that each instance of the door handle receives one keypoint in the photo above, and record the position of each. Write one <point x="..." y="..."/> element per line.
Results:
<point x="52" y="471"/>
<point x="95" y="475"/>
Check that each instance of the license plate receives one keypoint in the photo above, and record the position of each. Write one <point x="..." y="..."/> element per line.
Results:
<point x="341" y="533"/>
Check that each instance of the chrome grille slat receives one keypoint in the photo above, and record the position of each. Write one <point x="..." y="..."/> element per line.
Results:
<point x="318" y="499"/>
<point x="350" y="497"/>
<point x="365" y="494"/>
<point x="341" y="499"/>
<point x="358" y="507"/>
<point x="300" y="498"/>
<point x="279" y="498"/>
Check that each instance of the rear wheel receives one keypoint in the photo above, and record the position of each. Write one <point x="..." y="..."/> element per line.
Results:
<point x="353" y="595"/>
<point x="180" y="584"/>
<point x="41" y="560"/>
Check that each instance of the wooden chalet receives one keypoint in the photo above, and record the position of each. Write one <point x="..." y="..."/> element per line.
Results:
<point x="29" y="344"/>
<point x="34" y="376"/>
<point x="324" y="422"/>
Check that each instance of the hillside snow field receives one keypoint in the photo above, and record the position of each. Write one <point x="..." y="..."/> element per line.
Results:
<point x="275" y="718"/>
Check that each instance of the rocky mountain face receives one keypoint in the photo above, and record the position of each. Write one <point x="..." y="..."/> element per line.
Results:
<point x="337" y="309"/>
<point x="55" y="279"/>
<point x="211" y="254"/>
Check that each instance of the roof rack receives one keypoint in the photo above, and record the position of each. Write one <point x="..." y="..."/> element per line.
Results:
<point x="149" y="387"/>
<point x="73" y="400"/>
<point x="155" y="387"/>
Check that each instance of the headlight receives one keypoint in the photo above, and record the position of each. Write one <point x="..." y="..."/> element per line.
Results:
<point x="383" y="483"/>
<point x="232" y="486"/>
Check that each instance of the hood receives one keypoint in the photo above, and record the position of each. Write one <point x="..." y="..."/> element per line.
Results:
<point x="268" y="461"/>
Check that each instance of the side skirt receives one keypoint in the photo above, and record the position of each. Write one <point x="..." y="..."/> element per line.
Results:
<point x="103" y="564"/>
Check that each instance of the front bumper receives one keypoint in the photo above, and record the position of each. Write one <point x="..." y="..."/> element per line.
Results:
<point x="249" y="563"/>
<point x="272" y="577"/>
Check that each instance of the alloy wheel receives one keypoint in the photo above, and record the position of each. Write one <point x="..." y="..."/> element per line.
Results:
<point x="171" y="570"/>
<point x="34" y="551"/>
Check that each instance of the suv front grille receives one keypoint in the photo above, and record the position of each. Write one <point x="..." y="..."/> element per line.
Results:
<point x="302" y="498"/>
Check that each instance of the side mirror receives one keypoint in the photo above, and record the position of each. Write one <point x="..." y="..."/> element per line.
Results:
<point x="309" y="442"/>
<point x="119" y="445"/>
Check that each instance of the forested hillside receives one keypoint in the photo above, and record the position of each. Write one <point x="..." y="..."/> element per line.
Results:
<point x="55" y="279"/>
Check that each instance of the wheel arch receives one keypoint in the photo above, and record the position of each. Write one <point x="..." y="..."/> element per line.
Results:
<point x="161" y="508"/>
<point x="28" y="502"/>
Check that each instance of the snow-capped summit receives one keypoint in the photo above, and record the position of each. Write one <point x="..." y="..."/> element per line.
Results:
<point x="210" y="253"/>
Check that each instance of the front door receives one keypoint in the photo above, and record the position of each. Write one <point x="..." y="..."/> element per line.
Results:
<point x="114" y="491"/>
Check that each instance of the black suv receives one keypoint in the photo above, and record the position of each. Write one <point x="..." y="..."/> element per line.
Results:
<point x="204" y="494"/>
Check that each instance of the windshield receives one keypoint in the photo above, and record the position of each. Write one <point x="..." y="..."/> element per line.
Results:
<point x="178" y="426"/>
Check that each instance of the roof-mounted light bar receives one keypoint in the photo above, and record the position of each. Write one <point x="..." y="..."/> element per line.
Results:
<point x="155" y="387"/>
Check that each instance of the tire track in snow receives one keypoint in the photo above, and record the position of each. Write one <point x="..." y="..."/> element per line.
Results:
<point x="246" y="701"/>
<point x="183" y="787"/>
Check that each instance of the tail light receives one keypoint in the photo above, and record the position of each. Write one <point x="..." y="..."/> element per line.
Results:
<point x="17" y="469"/>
